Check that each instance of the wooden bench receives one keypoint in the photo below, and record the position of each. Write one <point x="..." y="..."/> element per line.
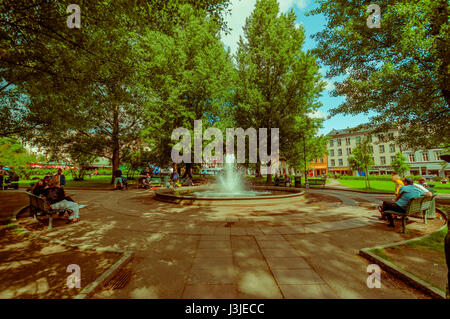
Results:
<point x="317" y="181"/>
<point x="414" y="206"/>
<point x="40" y="205"/>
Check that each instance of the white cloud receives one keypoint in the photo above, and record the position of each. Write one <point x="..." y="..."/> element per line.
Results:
<point x="241" y="9"/>
<point x="329" y="85"/>
<point x="285" y="5"/>
<point x="317" y="114"/>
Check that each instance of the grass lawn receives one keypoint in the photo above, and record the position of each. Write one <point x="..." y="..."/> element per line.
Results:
<point x="101" y="181"/>
<point x="386" y="186"/>
<point x="263" y="179"/>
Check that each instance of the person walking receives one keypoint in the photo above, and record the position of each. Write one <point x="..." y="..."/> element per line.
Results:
<point x="118" y="178"/>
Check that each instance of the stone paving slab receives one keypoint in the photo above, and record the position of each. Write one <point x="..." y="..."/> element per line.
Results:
<point x="211" y="253"/>
<point x="276" y="263"/>
<point x="286" y="252"/>
<point x="208" y="262"/>
<point x="213" y="275"/>
<point x="215" y="244"/>
<point x="201" y="291"/>
<point x="320" y="291"/>
<point x="296" y="276"/>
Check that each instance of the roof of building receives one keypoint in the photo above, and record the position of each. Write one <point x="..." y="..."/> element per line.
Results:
<point x="350" y="130"/>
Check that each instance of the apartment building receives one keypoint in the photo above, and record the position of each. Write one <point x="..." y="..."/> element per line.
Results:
<point x="426" y="163"/>
<point x="343" y="141"/>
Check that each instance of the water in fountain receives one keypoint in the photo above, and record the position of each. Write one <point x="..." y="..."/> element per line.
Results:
<point x="230" y="180"/>
<point x="229" y="183"/>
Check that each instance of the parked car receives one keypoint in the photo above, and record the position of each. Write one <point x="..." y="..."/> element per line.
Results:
<point x="428" y="177"/>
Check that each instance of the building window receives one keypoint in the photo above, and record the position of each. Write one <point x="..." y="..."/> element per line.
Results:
<point x="358" y="139"/>
<point x="321" y="160"/>
<point x="331" y="143"/>
<point x="381" y="148"/>
<point x="339" y="152"/>
<point x="381" y="138"/>
<point x="391" y="136"/>
<point x="349" y="150"/>
<point x="438" y="155"/>
<point x="392" y="148"/>
<point x="412" y="158"/>
<point x="333" y="163"/>
<point x="332" y="153"/>
<point x="370" y="149"/>
<point x="425" y="156"/>
<point x="341" y="163"/>
<point x="369" y="138"/>
<point x="392" y="158"/>
<point x="339" y="142"/>
<point x="347" y="141"/>
<point x="383" y="160"/>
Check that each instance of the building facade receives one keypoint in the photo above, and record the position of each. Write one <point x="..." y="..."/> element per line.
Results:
<point x="319" y="166"/>
<point x="384" y="150"/>
<point x="426" y="163"/>
<point x="343" y="141"/>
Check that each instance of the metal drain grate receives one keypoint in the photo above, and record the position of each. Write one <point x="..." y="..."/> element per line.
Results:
<point x="119" y="281"/>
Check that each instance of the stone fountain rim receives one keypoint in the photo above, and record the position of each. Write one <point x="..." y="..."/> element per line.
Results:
<point x="293" y="192"/>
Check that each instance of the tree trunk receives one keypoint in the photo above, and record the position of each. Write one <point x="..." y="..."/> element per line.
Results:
<point x="258" y="169"/>
<point x="269" y="173"/>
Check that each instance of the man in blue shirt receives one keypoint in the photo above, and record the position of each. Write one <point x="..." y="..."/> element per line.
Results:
<point x="406" y="193"/>
<point x="61" y="178"/>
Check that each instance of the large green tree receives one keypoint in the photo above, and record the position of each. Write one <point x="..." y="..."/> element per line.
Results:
<point x="278" y="83"/>
<point x="361" y="159"/>
<point x="188" y="76"/>
<point x="15" y="155"/>
<point x="80" y="85"/>
<point x="400" y="71"/>
<point x="399" y="164"/>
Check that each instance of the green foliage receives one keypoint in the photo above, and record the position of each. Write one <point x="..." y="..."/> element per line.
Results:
<point x="81" y="87"/>
<point x="400" y="71"/>
<point x="188" y="76"/>
<point x="434" y="241"/>
<point x="399" y="164"/>
<point x="12" y="153"/>
<point x="361" y="158"/>
<point x="278" y="83"/>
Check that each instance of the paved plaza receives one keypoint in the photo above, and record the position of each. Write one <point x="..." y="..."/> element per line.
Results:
<point x="306" y="249"/>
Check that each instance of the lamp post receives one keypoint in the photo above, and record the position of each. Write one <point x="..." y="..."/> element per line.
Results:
<point x="304" y="161"/>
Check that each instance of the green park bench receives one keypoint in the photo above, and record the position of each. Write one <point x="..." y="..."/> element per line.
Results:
<point x="415" y="206"/>
<point x="317" y="181"/>
<point x="39" y="206"/>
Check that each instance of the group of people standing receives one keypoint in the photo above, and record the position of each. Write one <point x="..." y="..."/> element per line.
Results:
<point x="51" y="188"/>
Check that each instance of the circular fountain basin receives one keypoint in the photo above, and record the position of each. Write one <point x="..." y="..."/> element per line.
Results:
<point x="209" y="196"/>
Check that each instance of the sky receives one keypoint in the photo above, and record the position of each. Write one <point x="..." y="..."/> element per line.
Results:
<point x="241" y="9"/>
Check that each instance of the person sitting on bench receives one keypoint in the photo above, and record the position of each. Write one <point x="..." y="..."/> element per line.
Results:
<point x="56" y="197"/>
<point x="405" y="194"/>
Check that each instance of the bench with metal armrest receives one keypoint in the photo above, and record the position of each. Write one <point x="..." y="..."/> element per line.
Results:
<point x="40" y="205"/>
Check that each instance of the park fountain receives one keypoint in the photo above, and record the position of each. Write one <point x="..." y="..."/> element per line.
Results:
<point x="229" y="189"/>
